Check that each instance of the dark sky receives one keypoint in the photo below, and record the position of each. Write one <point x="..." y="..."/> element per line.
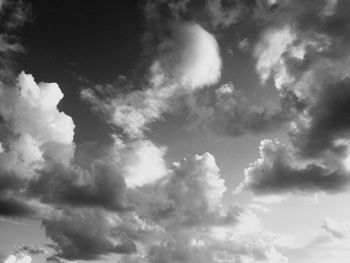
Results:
<point x="67" y="41"/>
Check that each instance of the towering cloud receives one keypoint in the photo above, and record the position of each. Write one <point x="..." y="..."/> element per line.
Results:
<point x="197" y="227"/>
<point x="34" y="135"/>
<point x="38" y="130"/>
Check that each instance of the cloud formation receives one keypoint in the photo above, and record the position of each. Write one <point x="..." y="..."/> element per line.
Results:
<point x="278" y="172"/>
<point x="310" y="61"/>
<point x="88" y="233"/>
<point x="35" y="135"/>
<point x="230" y="113"/>
<point x="188" y="59"/>
<point x="123" y="199"/>
<point x="304" y="50"/>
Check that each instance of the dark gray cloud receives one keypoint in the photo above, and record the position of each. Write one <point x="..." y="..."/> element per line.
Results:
<point x="10" y="203"/>
<point x="278" y="172"/>
<point x="16" y="207"/>
<point x="305" y="51"/>
<point x="329" y="121"/>
<point x="101" y="185"/>
<point x="28" y="141"/>
<point x="88" y="234"/>
<point x="13" y="15"/>
<point x="32" y="250"/>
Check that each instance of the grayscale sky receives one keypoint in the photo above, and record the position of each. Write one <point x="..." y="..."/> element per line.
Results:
<point x="190" y="131"/>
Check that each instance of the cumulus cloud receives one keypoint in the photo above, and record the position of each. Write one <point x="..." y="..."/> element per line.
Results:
<point x="219" y="243"/>
<point x="189" y="59"/>
<point x="142" y="163"/>
<point x="34" y="135"/>
<point x="102" y="180"/>
<point x="304" y="50"/>
<point x="122" y="198"/>
<point x="278" y="171"/>
<point x="186" y="60"/>
<point x="30" y="111"/>
<point x="269" y="51"/>
<point x="101" y="184"/>
<point x="195" y="190"/>
<point x="189" y="195"/>
<point x="88" y="233"/>
<point x="310" y="61"/>
<point x="43" y="176"/>
<point x="197" y="227"/>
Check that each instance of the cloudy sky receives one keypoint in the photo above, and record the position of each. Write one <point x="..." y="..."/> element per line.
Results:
<point x="190" y="131"/>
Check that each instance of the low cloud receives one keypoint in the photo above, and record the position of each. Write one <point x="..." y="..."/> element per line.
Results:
<point x="278" y="171"/>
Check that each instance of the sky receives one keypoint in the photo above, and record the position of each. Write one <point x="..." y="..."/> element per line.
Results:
<point x="189" y="131"/>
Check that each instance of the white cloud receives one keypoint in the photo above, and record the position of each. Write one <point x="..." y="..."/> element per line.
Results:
<point x="190" y="59"/>
<point x="269" y="51"/>
<point x="142" y="163"/>
<point x="21" y="258"/>
<point x="258" y="207"/>
<point x="196" y="186"/>
<point x="43" y="132"/>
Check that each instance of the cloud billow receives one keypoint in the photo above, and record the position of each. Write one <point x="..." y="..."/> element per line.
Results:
<point x="305" y="52"/>
<point x="278" y="172"/>
<point x="124" y="198"/>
